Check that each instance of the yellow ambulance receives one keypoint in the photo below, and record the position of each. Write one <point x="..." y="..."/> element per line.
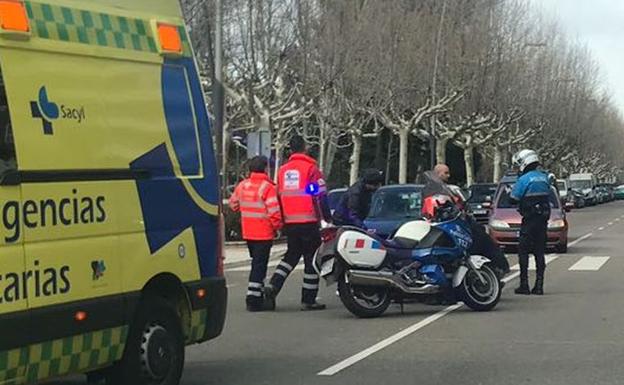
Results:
<point x="110" y="235"/>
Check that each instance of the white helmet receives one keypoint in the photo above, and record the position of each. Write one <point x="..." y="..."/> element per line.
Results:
<point x="523" y="158"/>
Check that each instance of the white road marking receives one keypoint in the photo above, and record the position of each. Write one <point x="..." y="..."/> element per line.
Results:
<point x="354" y="359"/>
<point x="601" y="228"/>
<point x="617" y="219"/>
<point x="581" y="239"/>
<point x="387" y="342"/>
<point x="549" y="259"/>
<point x="589" y="264"/>
<point x="610" y="224"/>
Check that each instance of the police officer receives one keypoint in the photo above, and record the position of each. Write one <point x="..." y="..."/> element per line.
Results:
<point x="303" y="197"/>
<point x="354" y="206"/>
<point x="532" y="192"/>
<point x="256" y="199"/>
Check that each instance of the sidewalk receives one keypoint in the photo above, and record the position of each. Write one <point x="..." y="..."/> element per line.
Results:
<point x="239" y="254"/>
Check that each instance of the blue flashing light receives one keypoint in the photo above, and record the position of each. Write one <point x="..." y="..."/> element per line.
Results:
<point x="312" y="189"/>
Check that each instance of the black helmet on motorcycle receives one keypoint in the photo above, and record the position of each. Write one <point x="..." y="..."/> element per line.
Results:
<point x="373" y="176"/>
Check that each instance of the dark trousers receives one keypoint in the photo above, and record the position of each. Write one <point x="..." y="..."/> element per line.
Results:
<point x="533" y="235"/>
<point x="259" y="251"/>
<point x="303" y="240"/>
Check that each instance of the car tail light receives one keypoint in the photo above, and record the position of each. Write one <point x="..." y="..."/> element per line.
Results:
<point x="329" y="234"/>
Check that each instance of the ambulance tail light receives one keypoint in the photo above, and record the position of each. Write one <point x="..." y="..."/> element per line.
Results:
<point x="80" y="316"/>
<point x="220" y="246"/>
<point x="14" y="19"/>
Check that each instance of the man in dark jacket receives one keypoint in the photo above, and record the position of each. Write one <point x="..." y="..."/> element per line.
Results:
<point x="355" y="204"/>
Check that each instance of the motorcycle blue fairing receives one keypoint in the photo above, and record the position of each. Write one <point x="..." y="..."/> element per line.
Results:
<point x="432" y="258"/>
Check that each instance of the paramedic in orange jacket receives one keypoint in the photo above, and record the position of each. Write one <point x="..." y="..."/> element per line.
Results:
<point x="303" y="198"/>
<point x="261" y="218"/>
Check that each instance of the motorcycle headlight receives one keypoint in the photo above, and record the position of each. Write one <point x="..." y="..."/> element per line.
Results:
<point x="499" y="225"/>
<point x="556" y="224"/>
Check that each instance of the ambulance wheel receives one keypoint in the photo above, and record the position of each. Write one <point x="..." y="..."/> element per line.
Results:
<point x="154" y="353"/>
<point x="363" y="301"/>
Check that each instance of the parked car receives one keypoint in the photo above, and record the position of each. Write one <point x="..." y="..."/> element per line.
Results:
<point x="575" y="199"/>
<point x="479" y="203"/>
<point x="563" y="187"/>
<point x="392" y="206"/>
<point x="334" y="196"/>
<point x="619" y="192"/>
<point x="586" y="185"/>
<point x="505" y="220"/>
<point x="607" y="191"/>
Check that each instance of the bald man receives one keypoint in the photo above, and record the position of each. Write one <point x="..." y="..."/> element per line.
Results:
<point x="443" y="172"/>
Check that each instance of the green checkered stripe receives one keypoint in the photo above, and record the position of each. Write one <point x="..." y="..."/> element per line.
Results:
<point x="199" y="319"/>
<point x="64" y="356"/>
<point x="73" y="25"/>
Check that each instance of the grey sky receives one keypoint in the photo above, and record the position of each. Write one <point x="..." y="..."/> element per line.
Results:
<point x="600" y="24"/>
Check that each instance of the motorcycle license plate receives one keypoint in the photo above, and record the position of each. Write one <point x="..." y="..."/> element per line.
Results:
<point x="327" y="267"/>
<point x="480" y="212"/>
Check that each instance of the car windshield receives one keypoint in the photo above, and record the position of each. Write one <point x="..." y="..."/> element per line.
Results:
<point x="479" y="193"/>
<point x="504" y="202"/>
<point x="394" y="203"/>
<point x="580" y="184"/>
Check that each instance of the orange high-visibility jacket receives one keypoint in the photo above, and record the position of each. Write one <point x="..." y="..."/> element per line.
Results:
<point x="299" y="184"/>
<point x="256" y="198"/>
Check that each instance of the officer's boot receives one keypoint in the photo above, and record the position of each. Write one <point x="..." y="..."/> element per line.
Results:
<point x="538" y="289"/>
<point x="524" y="277"/>
<point x="269" y="294"/>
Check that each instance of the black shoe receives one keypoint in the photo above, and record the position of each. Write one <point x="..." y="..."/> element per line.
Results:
<point x="255" y="308"/>
<point x="312" y="306"/>
<point x="523" y="289"/>
<point x="269" y="295"/>
<point x="539" y="287"/>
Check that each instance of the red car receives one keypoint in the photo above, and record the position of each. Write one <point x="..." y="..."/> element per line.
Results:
<point x="504" y="224"/>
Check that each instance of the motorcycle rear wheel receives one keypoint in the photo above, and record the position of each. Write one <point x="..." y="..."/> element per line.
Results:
<point x="479" y="296"/>
<point x="363" y="301"/>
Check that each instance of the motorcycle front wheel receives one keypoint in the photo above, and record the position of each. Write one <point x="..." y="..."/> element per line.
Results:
<point x="478" y="295"/>
<point x="363" y="301"/>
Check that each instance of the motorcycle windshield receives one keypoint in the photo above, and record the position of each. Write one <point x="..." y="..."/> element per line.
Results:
<point x="435" y="186"/>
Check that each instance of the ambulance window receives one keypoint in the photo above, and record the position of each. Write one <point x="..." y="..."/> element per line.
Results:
<point x="7" y="145"/>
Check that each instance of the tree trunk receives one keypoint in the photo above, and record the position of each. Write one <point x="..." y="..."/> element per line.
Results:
<point x="468" y="157"/>
<point x="498" y="160"/>
<point x="355" y="159"/>
<point x="403" y="154"/>
<point x="379" y="149"/>
<point x="389" y="157"/>
<point x="331" y="154"/>
<point x="323" y="144"/>
<point x="441" y="151"/>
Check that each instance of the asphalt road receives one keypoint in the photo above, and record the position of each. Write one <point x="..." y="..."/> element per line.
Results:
<point x="572" y="335"/>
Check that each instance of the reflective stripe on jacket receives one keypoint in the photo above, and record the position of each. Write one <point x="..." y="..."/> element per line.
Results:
<point x="300" y="184"/>
<point x="256" y="198"/>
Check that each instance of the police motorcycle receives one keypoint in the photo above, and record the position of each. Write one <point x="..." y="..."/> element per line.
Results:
<point x="425" y="261"/>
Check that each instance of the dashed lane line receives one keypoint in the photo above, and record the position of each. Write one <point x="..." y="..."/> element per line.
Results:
<point x="589" y="264"/>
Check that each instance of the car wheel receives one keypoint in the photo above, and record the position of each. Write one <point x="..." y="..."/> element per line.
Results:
<point x="562" y="248"/>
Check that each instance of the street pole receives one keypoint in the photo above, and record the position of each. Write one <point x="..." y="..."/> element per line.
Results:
<point x="434" y="83"/>
<point x="218" y="98"/>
